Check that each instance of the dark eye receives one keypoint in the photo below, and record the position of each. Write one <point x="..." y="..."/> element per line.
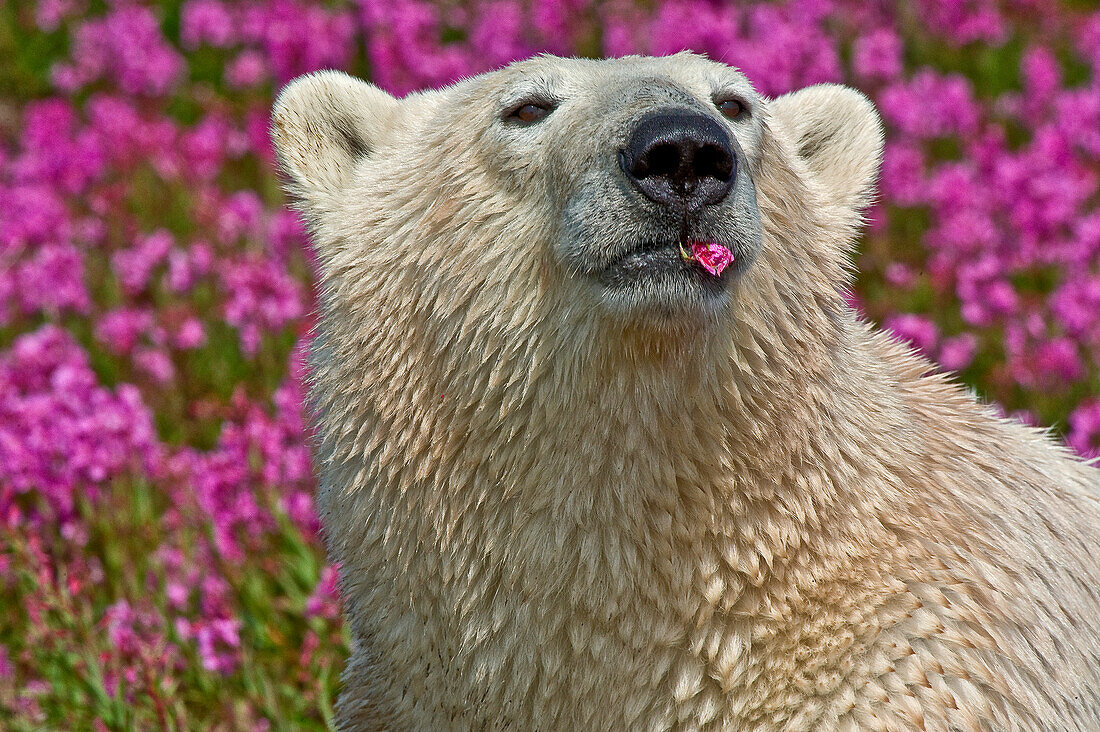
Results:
<point x="730" y="108"/>
<point x="530" y="112"/>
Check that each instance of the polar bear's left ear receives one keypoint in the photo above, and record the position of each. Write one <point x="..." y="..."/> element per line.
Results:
<point x="322" y="125"/>
<point x="837" y="131"/>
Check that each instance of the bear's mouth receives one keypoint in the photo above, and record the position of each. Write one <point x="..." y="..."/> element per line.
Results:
<point x="655" y="262"/>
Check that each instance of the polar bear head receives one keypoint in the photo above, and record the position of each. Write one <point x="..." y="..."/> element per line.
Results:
<point x="630" y="190"/>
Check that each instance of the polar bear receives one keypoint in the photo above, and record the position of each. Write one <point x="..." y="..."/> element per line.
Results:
<point x="602" y="447"/>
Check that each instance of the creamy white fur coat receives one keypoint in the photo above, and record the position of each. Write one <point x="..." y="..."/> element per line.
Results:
<point x="553" y="514"/>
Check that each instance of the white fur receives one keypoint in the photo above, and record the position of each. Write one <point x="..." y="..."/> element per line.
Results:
<point x="552" y="515"/>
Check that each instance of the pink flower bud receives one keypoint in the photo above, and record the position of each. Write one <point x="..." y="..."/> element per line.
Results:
<point x="713" y="256"/>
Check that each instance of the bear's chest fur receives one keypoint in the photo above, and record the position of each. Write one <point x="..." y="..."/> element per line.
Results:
<point x="638" y="568"/>
<point x="643" y="567"/>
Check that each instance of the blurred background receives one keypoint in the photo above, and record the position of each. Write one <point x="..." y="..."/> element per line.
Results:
<point x="160" y="566"/>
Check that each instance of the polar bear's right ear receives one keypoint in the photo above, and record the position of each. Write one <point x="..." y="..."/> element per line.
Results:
<point x="322" y="125"/>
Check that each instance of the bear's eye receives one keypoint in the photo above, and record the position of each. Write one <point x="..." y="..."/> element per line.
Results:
<point x="730" y="108"/>
<point x="530" y="112"/>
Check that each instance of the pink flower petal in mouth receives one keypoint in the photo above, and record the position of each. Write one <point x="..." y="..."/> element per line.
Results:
<point x="713" y="256"/>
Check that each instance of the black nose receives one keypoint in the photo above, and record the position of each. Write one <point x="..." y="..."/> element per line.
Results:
<point x="680" y="159"/>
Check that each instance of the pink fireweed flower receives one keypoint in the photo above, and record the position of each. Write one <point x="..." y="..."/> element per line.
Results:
<point x="120" y="330"/>
<point x="261" y="297"/>
<point x="61" y="434"/>
<point x="52" y="280"/>
<point x="190" y="334"/>
<point x="218" y="641"/>
<point x="325" y="600"/>
<point x="247" y="69"/>
<point x="126" y="46"/>
<point x="958" y="352"/>
<point x="919" y="331"/>
<point x="155" y="363"/>
<point x="206" y="21"/>
<point x="714" y="257"/>
<point x="877" y="55"/>
<point x="1084" y="428"/>
<point x="134" y="266"/>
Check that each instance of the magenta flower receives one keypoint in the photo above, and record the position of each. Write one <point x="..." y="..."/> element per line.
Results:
<point x="877" y="55"/>
<point x="260" y="297"/>
<point x="714" y="257"/>
<point x="127" y="47"/>
<point x="957" y="353"/>
<point x="325" y="600"/>
<point x="919" y="331"/>
<point x="1084" y="424"/>
<point x="206" y="21"/>
<point x="60" y="432"/>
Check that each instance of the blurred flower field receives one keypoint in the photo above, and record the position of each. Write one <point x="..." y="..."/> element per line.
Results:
<point x="160" y="566"/>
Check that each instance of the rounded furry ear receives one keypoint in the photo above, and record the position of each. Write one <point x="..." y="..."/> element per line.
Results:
<point x="322" y="125"/>
<point x="838" y="133"/>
